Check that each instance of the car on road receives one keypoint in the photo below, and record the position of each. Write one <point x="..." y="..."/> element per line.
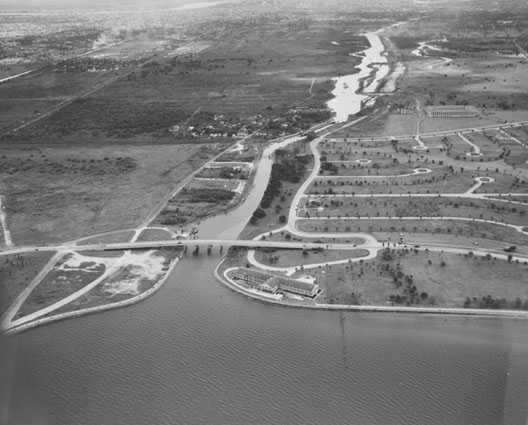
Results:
<point x="511" y="248"/>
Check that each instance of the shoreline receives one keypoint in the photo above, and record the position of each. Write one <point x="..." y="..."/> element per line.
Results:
<point x="433" y="311"/>
<point x="96" y="309"/>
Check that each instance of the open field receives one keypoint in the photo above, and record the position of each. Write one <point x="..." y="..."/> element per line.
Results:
<point x="130" y="280"/>
<point x="114" y="237"/>
<point x="277" y="80"/>
<point x="16" y="272"/>
<point x="488" y="146"/>
<point x="193" y="204"/>
<point x="68" y="275"/>
<point x="412" y="226"/>
<point x="439" y="181"/>
<point x="295" y="257"/>
<point x="154" y="235"/>
<point x="392" y="124"/>
<point x="417" y="207"/>
<point x="201" y="198"/>
<point x="520" y="133"/>
<point x="225" y="172"/>
<point x="56" y="194"/>
<point x="454" y="146"/>
<point x="13" y="112"/>
<point x="427" y="278"/>
<point x="504" y="183"/>
<point x="287" y="236"/>
<point x="248" y="153"/>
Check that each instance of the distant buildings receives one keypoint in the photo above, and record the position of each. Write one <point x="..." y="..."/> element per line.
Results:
<point x="274" y="284"/>
<point x="451" y="111"/>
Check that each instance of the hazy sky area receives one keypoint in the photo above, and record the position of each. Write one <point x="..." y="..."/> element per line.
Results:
<point x="92" y="4"/>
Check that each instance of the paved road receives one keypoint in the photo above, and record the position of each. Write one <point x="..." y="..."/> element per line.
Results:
<point x="123" y="246"/>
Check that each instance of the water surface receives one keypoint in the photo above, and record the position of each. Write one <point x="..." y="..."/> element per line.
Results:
<point x="197" y="353"/>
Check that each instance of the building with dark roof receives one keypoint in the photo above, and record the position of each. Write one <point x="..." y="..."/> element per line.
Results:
<point x="272" y="283"/>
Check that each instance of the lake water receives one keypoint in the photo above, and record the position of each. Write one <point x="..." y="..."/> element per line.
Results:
<point x="197" y="353"/>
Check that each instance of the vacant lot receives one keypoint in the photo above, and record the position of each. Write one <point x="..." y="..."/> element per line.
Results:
<point x="154" y="235"/>
<point x="489" y="146"/>
<point x="56" y="194"/>
<point x="70" y="274"/>
<point x="429" y="227"/>
<point x="199" y="199"/>
<point x="113" y="237"/>
<point x="227" y="172"/>
<point x="16" y="272"/>
<point x="144" y="270"/>
<point x="422" y="278"/>
<point x="421" y="207"/>
<point x="13" y="112"/>
<point x="296" y="257"/>
<point x="263" y="74"/>
<point x="28" y="97"/>
<point x="439" y="181"/>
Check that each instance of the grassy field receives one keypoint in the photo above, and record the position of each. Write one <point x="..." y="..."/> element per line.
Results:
<point x="272" y="75"/>
<point x="287" y="236"/>
<point x="122" y="285"/>
<point x="227" y="172"/>
<point x="28" y="97"/>
<point x="114" y="237"/>
<point x="439" y="181"/>
<point x="13" y="112"/>
<point x="425" y="207"/>
<point x="409" y="227"/>
<point x="16" y="272"/>
<point x="154" y="235"/>
<point x="200" y="199"/>
<point x="421" y="278"/>
<point x="56" y="194"/>
<point x="504" y="183"/>
<point x="64" y="279"/>
<point x="247" y="154"/>
<point x="520" y="133"/>
<point x="295" y="257"/>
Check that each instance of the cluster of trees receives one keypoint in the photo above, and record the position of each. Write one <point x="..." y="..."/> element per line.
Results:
<point x="288" y="167"/>
<point x="490" y="302"/>
<point x="329" y="167"/>
<point x="404" y="282"/>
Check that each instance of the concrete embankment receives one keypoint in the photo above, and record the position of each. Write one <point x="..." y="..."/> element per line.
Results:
<point x="510" y="314"/>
